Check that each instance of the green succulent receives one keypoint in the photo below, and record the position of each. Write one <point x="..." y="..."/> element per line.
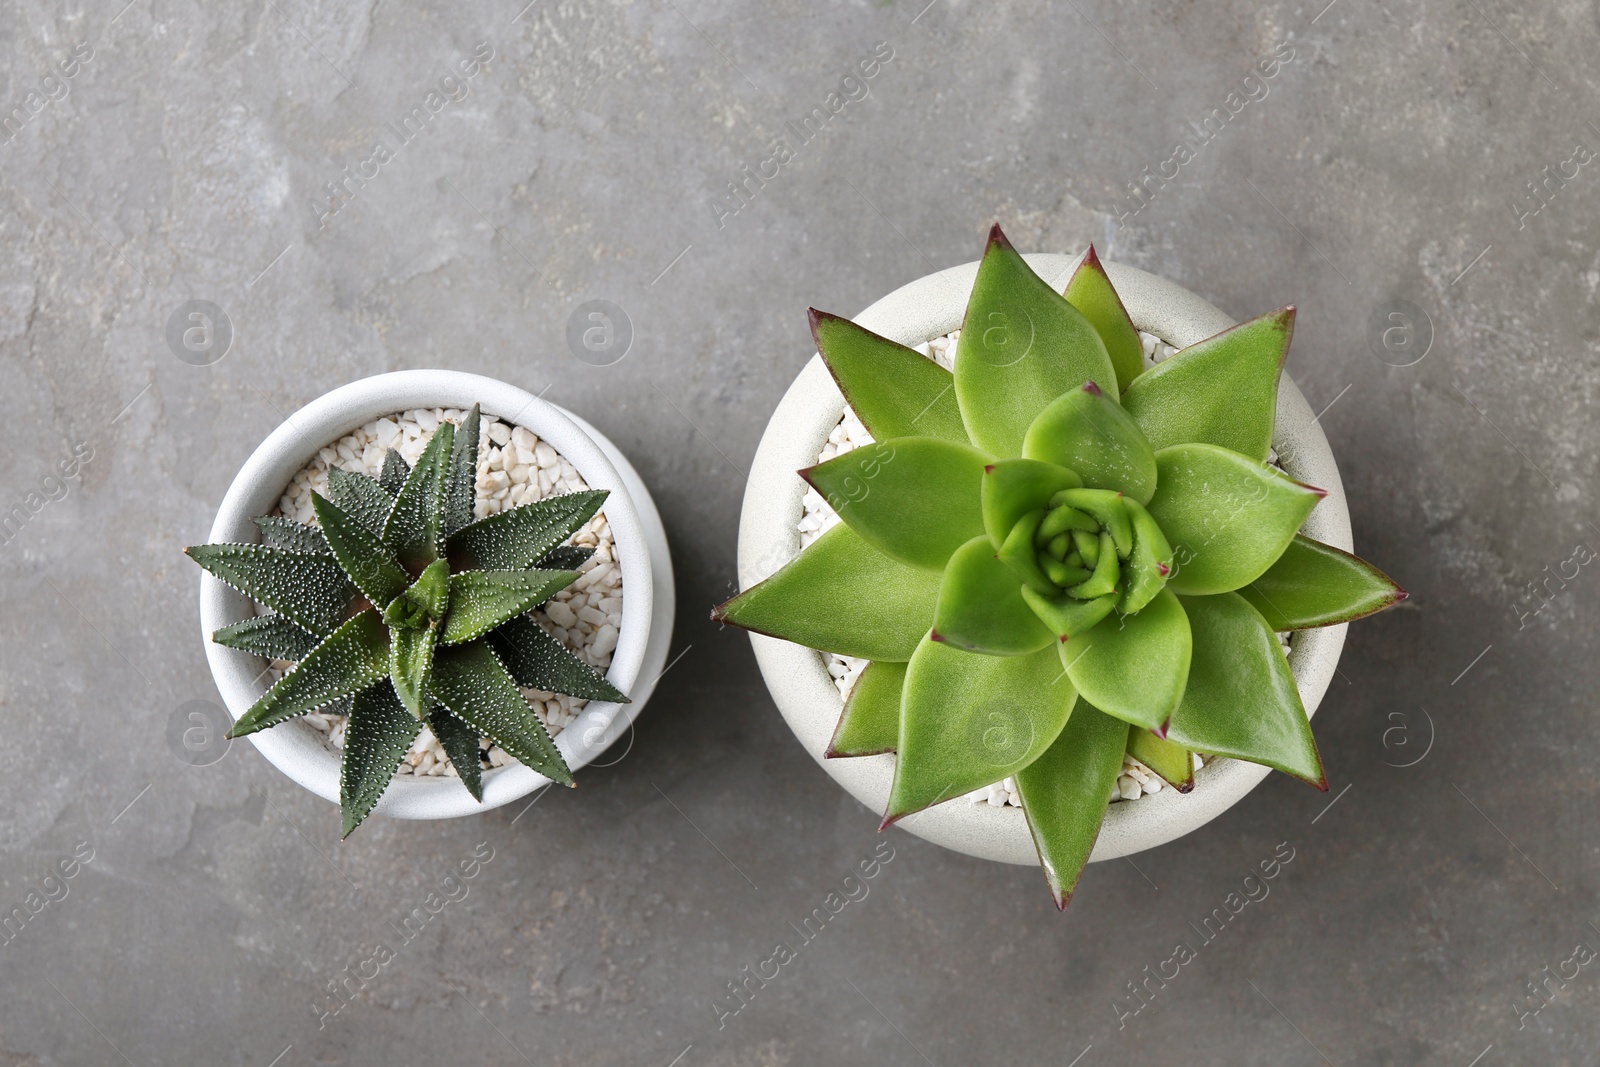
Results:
<point x="399" y="609"/>
<point x="1055" y="555"/>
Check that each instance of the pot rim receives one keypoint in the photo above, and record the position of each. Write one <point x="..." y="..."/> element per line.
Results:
<point x="296" y="748"/>
<point x="797" y="677"/>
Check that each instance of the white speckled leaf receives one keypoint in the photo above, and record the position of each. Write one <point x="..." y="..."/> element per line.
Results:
<point x="565" y="558"/>
<point x="538" y="661"/>
<point x="460" y="743"/>
<point x="482" y="600"/>
<point x="349" y="660"/>
<point x="474" y="685"/>
<point x="362" y="554"/>
<point x="376" y="738"/>
<point x="411" y="662"/>
<point x="461" y="484"/>
<point x="414" y="526"/>
<point x="361" y="496"/>
<point x="272" y="636"/>
<point x="512" y="540"/>
<point x="306" y="588"/>
<point x="278" y="532"/>
<point x="394" y="473"/>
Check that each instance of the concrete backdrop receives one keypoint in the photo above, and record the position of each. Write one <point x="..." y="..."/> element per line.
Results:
<point x="1383" y="169"/>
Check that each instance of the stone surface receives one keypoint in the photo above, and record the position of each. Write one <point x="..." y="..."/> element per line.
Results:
<point x="212" y="907"/>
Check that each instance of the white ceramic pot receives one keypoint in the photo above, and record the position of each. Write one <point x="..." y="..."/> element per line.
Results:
<point x="295" y="747"/>
<point x="797" y="676"/>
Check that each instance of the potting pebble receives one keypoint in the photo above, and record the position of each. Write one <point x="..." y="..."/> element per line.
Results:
<point x="514" y="468"/>
<point x="1135" y="780"/>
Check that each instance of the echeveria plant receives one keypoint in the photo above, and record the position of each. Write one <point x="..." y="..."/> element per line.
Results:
<point x="1057" y="554"/>
<point x="399" y="609"/>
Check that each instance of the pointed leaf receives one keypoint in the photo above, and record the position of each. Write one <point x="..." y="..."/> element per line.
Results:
<point x="394" y="473"/>
<point x="415" y="525"/>
<point x="916" y="498"/>
<point x="411" y="664"/>
<point x="1134" y="666"/>
<point x="1222" y="391"/>
<point x="538" y="661"/>
<point x="1241" y="700"/>
<point x="1022" y="345"/>
<point x="306" y="588"/>
<point x="1067" y="616"/>
<point x="1228" y="518"/>
<point x="841" y="595"/>
<point x="376" y="738"/>
<point x="347" y="661"/>
<point x="981" y="608"/>
<point x="894" y="390"/>
<point x="461" y="484"/>
<point x="512" y="540"/>
<point x="1089" y="432"/>
<point x="361" y="496"/>
<point x="1313" y="584"/>
<point x="278" y="532"/>
<point x="272" y="636"/>
<point x="1014" y="487"/>
<point x="1019" y="553"/>
<point x="870" y="724"/>
<point x="460" y="744"/>
<point x="564" y="558"/>
<point x="473" y="684"/>
<point x="482" y="600"/>
<point x="1174" y="763"/>
<point x="1149" y="563"/>
<point x="1091" y="292"/>
<point x="1064" y="793"/>
<point x="361" y="553"/>
<point x="423" y="602"/>
<point x="970" y="720"/>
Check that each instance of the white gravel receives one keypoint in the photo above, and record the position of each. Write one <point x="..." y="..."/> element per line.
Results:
<point x="1135" y="780"/>
<point x="514" y="468"/>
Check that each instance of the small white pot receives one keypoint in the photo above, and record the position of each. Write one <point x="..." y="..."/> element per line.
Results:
<point x="797" y="676"/>
<point x="295" y="747"/>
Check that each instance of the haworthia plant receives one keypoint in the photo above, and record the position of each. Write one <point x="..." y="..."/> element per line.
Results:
<point x="1055" y="555"/>
<point x="398" y="609"/>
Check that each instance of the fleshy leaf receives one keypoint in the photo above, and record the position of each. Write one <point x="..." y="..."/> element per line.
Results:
<point x="1064" y="793"/>
<point x="416" y="524"/>
<point x="307" y="588"/>
<point x="1090" y="433"/>
<point x="1014" y="487"/>
<point x="361" y="553"/>
<point x="1227" y="517"/>
<point x="870" y="724"/>
<point x="411" y="663"/>
<point x="460" y="744"/>
<point x="538" y="661"/>
<point x="1018" y="553"/>
<point x="394" y="473"/>
<point x="376" y="738"/>
<point x="461" y="483"/>
<point x="347" y="661"/>
<point x="981" y="608"/>
<point x="361" y="496"/>
<point x="482" y="600"/>
<point x="841" y="595"/>
<point x="1067" y="616"/>
<point x="472" y="683"/>
<point x="1107" y="507"/>
<point x="916" y="498"/>
<point x="272" y="636"/>
<point x="512" y="540"/>
<point x="1148" y="564"/>
<point x="1091" y="292"/>
<point x="1313" y="584"/>
<point x="565" y="558"/>
<point x="278" y="532"/>
<point x="970" y="720"/>
<point x="1134" y="667"/>
<point x="1022" y="345"/>
<point x="423" y="602"/>
<point x="894" y="390"/>
<point x="1222" y="391"/>
<point x="1241" y="700"/>
<point x="1174" y="763"/>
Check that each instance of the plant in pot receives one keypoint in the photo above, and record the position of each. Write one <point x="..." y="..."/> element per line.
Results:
<point x="425" y="615"/>
<point x="1054" y="555"/>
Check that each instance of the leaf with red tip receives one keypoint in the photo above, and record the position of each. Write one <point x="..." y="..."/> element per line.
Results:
<point x="1014" y="487"/>
<point x="981" y="608"/>
<point x="841" y="595"/>
<point x="870" y="724"/>
<point x="894" y="390"/>
<point x="1091" y="292"/>
<point x="1022" y="345"/>
<point x="1313" y="584"/>
<point x="1174" y="763"/>
<point x="1088" y="432"/>
<point x="1134" y="667"/>
<point x="1064" y="794"/>
<point x="1241" y="700"/>
<point x="1221" y="391"/>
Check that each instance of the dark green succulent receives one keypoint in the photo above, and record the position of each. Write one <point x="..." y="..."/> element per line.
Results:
<point x="399" y="609"/>
<point x="1055" y="555"/>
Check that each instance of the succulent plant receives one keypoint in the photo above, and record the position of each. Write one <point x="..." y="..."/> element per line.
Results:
<point x="1055" y="555"/>
<point x="398" y="610"/>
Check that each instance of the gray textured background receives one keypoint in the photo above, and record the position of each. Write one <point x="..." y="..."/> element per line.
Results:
<point x="1385" y="162"/>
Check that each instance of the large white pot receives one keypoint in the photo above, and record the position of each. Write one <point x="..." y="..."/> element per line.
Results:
<point x="295" y="747"/>
<point x="797" y="676"/>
